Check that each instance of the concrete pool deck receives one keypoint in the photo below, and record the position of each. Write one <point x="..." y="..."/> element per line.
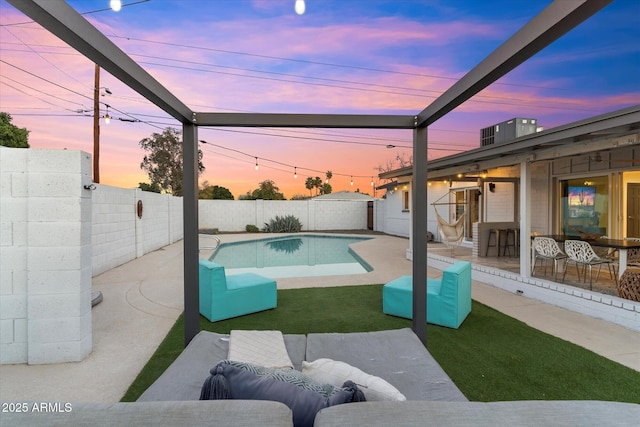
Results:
<point x="144" y="297"/>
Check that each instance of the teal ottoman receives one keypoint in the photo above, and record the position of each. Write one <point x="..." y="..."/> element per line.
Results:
<point x="448" y="298"/>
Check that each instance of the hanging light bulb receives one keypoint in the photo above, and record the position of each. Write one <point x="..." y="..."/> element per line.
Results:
<point x="372" y="181"/>
<point x="295" y="172"/>
<point x="351" y="180"/>
<point x="115" y="5"/>
<point x="256" y="163"/>
<point x="300" y="7"/>
<point x="107" y="118"/>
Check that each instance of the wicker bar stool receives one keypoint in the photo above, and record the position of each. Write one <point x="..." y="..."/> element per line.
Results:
<point x="629" y="285"/>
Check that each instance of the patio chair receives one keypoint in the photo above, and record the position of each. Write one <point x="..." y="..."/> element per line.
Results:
<point x="582" y="254"/>
<point x="546" y="248"/>
<point x="448" y="297"/>
<point x="629" y="285"/>
<point x="223" y="297"/>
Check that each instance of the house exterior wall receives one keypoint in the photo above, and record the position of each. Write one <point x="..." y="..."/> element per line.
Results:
<point x="391" y="218"/>
<point x="45" y="256"/>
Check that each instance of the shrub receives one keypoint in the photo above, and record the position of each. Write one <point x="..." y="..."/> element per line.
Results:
<point x="284" y="224"/>
<point x="252" y="228"/>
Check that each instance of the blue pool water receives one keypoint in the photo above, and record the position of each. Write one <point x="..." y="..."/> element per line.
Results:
<point x="292" y="256"/>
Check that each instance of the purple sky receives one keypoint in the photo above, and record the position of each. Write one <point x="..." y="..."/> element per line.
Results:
<point x="357" y="56"/>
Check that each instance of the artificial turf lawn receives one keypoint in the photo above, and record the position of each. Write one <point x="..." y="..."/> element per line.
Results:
<point x="492" y="356"/>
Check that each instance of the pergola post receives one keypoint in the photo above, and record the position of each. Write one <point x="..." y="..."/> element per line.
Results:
<point x="190" y="228"/>
<point x="419" y="230"/>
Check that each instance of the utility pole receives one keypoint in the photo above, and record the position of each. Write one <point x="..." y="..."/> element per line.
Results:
<point x="96" y="126"/>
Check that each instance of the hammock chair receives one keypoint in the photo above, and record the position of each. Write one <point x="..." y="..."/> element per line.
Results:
<point x="451" y="234"/>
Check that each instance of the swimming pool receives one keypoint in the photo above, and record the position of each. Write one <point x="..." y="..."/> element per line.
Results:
<point x="292" y="256"/>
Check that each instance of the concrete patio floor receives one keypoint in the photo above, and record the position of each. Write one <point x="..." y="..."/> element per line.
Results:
<point x="144" y="297"/>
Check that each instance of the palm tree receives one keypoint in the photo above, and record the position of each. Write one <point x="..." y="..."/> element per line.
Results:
<point x="309" y="184"/>
<point x="317" y="182"/>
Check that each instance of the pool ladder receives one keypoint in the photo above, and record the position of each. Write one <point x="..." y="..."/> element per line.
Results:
<point x="207" y="245"/>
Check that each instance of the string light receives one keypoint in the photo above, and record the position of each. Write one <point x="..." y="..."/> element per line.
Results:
<point x="295" y="168"/>
<point x="372" y="181"/>
<point x="107" y="117"/>
<point x="300" y="7"/>
<point x="115" y="5"/>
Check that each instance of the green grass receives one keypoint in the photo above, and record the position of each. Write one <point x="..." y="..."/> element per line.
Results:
<point x="492" y="357"/>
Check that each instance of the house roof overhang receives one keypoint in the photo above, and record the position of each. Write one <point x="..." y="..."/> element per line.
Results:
<point x="602" y="132"/>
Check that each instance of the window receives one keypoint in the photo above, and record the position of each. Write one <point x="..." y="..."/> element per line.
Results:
<point x="585" y="205"/>
<point x="405" y="200"/>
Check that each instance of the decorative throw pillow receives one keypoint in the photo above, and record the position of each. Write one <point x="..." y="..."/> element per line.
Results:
<point x="336" y="372"/>
<point x="231" y="382"/>
<point x="287" y="375"/>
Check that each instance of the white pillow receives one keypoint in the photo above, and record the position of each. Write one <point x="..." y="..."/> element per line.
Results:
<point x="336" y="373"/>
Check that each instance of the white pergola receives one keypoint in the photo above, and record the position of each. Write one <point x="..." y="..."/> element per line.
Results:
<point x="67" y="24"/>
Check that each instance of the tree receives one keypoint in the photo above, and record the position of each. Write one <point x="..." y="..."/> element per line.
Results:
<point x="214" y="192"/>
<point x="145" y="186"/>
<point x="267" y="190"/>
<point x="309" y="183"/>
<point x="317" y="183"/>
<point x="325" y="189"/>
<point x="164" y="162"/>
<point x="398" y="163"/>
<point x="11" y="135"/>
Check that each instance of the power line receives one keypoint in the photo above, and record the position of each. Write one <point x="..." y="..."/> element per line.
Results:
<point x="328" y="64"/>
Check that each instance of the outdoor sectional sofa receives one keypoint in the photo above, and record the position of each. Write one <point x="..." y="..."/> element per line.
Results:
<point x="397" y="356"/>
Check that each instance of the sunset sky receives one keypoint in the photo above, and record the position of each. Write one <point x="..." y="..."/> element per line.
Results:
<point x="341" y="56"/>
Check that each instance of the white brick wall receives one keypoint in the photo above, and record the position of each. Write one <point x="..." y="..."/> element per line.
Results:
<point x="45" y="226"/>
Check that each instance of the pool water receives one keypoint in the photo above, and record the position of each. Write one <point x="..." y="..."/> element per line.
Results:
<point x="292" y="256"/>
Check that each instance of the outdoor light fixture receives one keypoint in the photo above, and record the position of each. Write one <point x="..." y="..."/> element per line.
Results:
<point x="256" y="163"/>
<point x="351" y="180"/>
<point x="597" y="158"/>
<point x="300" y="7"/>
<point x="295" y="172"/>
<point x="107" y="117"/>
<point x="372" y="181"/>
<point x="115" y="5"/>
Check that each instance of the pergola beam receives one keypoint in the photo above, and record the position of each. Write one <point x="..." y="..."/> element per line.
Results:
<point x="370" y="121"/>
<point x="71" y="27"/>
<point x="555" y="20"/>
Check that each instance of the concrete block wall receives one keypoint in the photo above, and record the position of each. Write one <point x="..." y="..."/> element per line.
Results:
<point x="113" y="227"/>
<point x="45" y="256"/>
<point x="315" y="215"/>
<point x="340" y="215"/>
<point x="119" y="235"/>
